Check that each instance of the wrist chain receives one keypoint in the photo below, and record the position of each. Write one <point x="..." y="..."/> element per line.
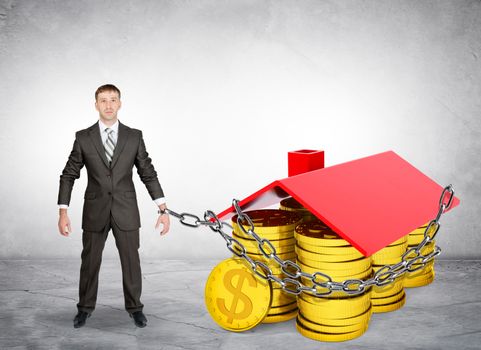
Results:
<point x="320" y="284"/>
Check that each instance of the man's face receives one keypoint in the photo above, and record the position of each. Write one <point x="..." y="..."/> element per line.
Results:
<point x="108" y="103"/>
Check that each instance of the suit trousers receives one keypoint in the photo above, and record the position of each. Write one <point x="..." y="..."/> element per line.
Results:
<point x="127" y="243"/>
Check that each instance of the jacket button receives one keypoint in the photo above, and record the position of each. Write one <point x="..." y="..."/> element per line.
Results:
<point x="110" y="193"/>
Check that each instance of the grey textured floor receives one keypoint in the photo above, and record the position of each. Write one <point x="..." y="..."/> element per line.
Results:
<point x="38" y="300"/>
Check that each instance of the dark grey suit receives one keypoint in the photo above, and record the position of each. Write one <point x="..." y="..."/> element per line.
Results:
<point x="109" y="203"/>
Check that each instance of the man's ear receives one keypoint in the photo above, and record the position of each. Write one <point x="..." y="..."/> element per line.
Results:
<point x="120" y="104"/>
<point x="97" y="106"/>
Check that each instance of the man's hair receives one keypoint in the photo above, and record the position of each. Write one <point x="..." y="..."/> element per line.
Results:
<point x="106" y="87"/>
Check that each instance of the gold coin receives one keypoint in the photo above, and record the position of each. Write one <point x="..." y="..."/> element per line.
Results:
<point x="426" y="267"/>
<point x="343" y="250"/>
<point x="275" y="242"/>
<point x="401" y="240"/>
<point x="358" y="302"/>
<point x="278" y="303"/>
<point x="427" y="249"/>
<point x="351" y="265"/>
<point x="419" y="230"/>
<point x="282" y="309"/>
<point x="316" y="316"/>
<point x="422" y="229"/>
<point x="270" y="236"/>
<point x="305" y="254"/>
<point x="291" y="203"/>
<point x="388" y="289"/>
<point x="280" y="250"/>
<point x="389" y="307"/>
<point x="387" y="299"/>
<point x="389" y="252"/>
<point x="414" y="240"/>
<point x="317" y="233"/>
<point x="271" y="262"/>
<point x="419" y="281"/>
<point x="419" y="273"/>
<point x="269" y="221"/>
<point x="280" y="297"/>
<point x="387" y="261"/>
<point x="331" y="311"/>
<point x="280" y="317"/>
<point x="318" y="327"/>
<point x="338" y="274"/>
<point x="328" y="337"/>
<point x="235" y="298"/>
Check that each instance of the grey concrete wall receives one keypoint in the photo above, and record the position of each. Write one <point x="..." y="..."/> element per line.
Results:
<point x="207" y="80"/>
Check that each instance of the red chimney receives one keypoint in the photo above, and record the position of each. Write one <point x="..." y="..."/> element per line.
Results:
<point x="304" y="160"/>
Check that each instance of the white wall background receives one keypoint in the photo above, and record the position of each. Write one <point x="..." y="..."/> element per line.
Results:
<point x="222" y="91"/>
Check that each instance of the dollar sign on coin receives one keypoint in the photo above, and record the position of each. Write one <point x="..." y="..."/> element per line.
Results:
<point x="235" y="297"/>
<point x="237" y="293"/>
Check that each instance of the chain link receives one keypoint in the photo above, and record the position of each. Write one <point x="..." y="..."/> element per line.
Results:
<point x="320" y="284"/>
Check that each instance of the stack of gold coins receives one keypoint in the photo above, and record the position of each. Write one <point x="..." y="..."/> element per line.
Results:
<point x="391" y="296"/>
<point x="338" y="316"/>
<point x="425" y="275"/>
<point x="291" y="204"/>
<point x="278" y="227"/>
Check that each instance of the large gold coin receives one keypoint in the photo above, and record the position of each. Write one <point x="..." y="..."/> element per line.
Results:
<point x="305" y="254"/>
<point x="351" y="265"/>
<point x="236" y="299"/>
<point x="317" y="233"/>
<point x="389" y="307"/>
<point x="328" y="337"/>
<point x="318" y="327"/>
<point x="269" y="221"/>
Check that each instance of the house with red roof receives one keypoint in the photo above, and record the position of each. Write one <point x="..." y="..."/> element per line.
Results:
<point x="370" y="202"/>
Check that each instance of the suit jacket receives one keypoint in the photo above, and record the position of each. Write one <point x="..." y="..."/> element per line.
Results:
<point x="110" y="190"/>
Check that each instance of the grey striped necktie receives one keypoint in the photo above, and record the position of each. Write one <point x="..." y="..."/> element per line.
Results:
<point x="109" y="145"/>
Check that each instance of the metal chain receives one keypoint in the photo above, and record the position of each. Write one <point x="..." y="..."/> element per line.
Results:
<point x="320" y="284"/>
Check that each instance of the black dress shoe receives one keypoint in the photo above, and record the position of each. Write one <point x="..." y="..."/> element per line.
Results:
<point x="80" y="319"/>
<point x="139" y="319"/>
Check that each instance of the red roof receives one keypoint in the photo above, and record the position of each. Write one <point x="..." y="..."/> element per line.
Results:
<point x="370" y="202"/>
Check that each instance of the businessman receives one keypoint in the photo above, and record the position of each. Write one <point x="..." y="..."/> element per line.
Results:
<point x="109" y="150"/>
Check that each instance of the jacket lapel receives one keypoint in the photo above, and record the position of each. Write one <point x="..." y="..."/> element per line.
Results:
<point x="121" y="141"/>
<point x="94" y="133"/>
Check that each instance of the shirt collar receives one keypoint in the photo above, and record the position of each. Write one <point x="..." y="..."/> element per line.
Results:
<point x="114" y="127"/>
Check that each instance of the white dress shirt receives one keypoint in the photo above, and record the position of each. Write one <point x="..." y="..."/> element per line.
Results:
<point x="115" y="133"/>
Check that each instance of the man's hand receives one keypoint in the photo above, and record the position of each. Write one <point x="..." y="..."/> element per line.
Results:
<point x="64" y="223"/>
<point x="164" y="220"/>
